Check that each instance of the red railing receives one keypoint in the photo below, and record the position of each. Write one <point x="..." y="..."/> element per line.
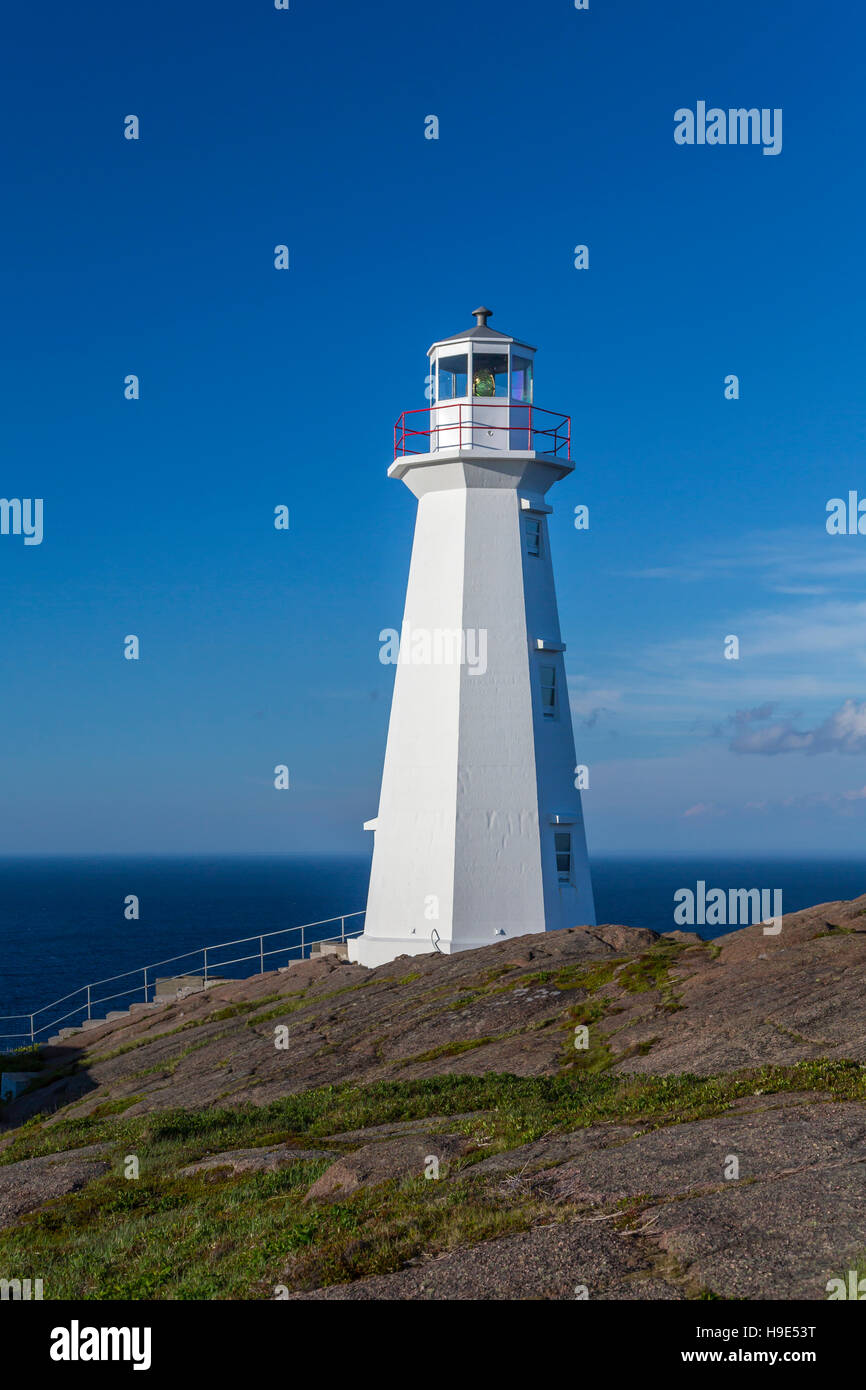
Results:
<point x="461" y="425"/>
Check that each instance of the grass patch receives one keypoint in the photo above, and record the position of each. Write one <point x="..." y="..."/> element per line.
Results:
<point x="597" y="1057"/>
<point x="588" y="977"/>
<point x="451" y="1049"/>
<point x="237" y="1237"/>
<point x="23" y="1059"/>
<point x="651" y="971"/>
<point x="113" y="1107"/>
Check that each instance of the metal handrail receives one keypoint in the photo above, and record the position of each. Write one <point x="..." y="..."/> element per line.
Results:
<point x="470" y="420"/>
<point x="207" y="967"/>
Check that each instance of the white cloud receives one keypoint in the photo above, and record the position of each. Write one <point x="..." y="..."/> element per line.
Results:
<point x="844" y="731"/>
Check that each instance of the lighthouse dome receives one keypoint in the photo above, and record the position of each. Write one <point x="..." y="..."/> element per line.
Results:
<point x="480" y="363"/>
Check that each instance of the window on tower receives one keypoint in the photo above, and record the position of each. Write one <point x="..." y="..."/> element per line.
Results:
<point x="562" y="843"/>
<point x="521" y="378"/>
<point x="452" y="377"/>
<point x="489" y="374"/>
<point x="532" y="526"/>
<point x="548" y="691"/>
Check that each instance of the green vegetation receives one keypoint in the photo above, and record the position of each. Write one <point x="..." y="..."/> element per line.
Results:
<point x="651" y="971"/>
<point x="22" y="1059"/>
<point x="222" y="1236"/>
<point x="450" y="1049"/>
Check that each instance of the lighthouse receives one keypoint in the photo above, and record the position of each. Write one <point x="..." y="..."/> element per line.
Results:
<point x="479" y="834"/>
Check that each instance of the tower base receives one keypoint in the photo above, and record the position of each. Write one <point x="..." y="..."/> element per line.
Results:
<point x="379" y="950"/>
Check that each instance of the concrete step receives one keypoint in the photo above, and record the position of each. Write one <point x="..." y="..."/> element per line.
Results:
<point x="174" y="987"/>
<point x="329" y="948"/>
<point x="61" y="1036"/>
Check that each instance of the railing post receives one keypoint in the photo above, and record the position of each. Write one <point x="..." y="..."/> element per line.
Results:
<point x="32" y="1034"/>
<point x="205" y="967"/>
<point x="302" y="943"/>
<point x="262" y="955"/>
<point x="342" y="929"/>
<point x="88" y="1001"/>
<point x="145" y="984"/>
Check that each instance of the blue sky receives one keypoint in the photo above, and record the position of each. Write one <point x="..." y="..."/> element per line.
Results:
<point x="261" y="387"/>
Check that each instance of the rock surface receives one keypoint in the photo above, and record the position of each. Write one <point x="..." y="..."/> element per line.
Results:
<point x="264" y="1160"/>
<point x="765" y="1198"/>
<point x="31" y="1183"/>
<point x="746" y="1000"/>
<point x="386" y="1159"/>
<point x="569" y="1261"/>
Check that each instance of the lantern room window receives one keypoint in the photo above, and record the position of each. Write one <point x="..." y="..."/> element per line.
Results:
<point x="521" y="378"/>
<point x="489" y="374"/>
<point x="452" y="377"/>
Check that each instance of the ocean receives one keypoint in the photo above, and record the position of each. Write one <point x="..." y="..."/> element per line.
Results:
<point x="62" y="921"/>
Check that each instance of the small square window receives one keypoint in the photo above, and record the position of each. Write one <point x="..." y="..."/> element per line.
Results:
<point x="532" y="525"/>
<point x="562" y="844"/>
<point x="548" y="691"/>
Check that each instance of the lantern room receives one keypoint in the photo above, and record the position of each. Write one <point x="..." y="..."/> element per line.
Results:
<point x="481" y="364"/>
<point x="480" y="389"/>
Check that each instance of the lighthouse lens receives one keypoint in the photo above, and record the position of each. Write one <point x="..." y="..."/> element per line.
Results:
<point x="489" y="374"/>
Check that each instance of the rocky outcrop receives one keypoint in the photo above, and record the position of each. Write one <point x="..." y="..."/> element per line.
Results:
<point x="737" y="1187"/>
<point x="27" y="1185"/>
<point x="652" y="1005"/>
<point x="410" y="1156"/>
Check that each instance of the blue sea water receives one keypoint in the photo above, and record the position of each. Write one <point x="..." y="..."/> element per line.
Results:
<point x="62" y="921"/>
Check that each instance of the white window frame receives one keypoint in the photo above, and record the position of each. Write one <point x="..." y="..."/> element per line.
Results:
<point x="564" y="876"/>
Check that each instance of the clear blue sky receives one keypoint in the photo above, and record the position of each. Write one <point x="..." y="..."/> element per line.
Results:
<point x="258" y="387"/>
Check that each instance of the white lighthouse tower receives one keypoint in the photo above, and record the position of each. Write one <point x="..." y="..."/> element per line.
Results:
<point x="479" y="834"/>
